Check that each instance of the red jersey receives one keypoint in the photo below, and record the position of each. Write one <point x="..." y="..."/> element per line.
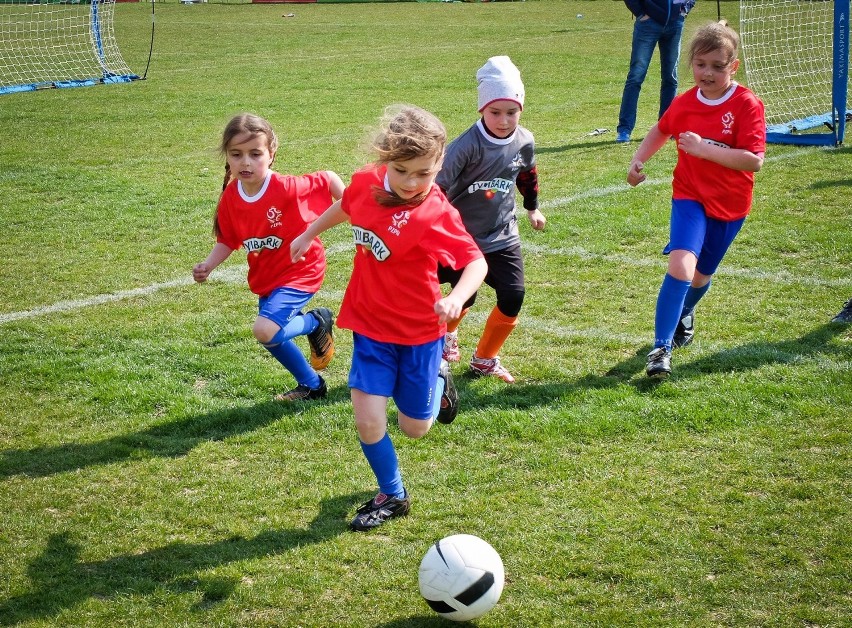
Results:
<point x="394" y="286"/>
<point x="734" y="121"/>
<point x="266" y="223"/>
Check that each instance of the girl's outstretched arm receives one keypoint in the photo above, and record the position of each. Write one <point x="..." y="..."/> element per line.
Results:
<point x="653" y="142"/>
<point x="220" y="252"/>
<point x="450" y="306"/>
<point x="334" y="215"/>
<point x="335" y="184"/>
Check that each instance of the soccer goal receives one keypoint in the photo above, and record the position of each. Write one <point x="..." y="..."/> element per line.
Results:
<point x="796" y="55"/>
<point x="59" y="43"/>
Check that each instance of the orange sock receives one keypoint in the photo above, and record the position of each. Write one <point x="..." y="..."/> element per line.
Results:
<point x="454" y="324"/>
<point x="497" y="329"/>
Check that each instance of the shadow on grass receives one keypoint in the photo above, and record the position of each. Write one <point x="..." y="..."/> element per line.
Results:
<point x="421" y="621"/>
<point x="580" y="144"/>
<point x="61" y="581"/>
<point x="740" y="358"/>
<point x="167" y="440"/>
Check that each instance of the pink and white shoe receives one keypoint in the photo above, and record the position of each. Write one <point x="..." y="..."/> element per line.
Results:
<point x="490" y="366"/>
<point x="451" y="347"/>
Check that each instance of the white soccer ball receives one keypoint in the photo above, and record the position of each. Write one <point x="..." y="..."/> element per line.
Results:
<point x="461" y="577"/>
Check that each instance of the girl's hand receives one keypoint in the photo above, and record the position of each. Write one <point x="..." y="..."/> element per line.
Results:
<point x="200" y="272"/>
<point x="690" y="143"/>
<point x="635" y="176"/>
<point x="448" y="309"/>
<point x="537" y="219"/>
<point x="298" y="247"/>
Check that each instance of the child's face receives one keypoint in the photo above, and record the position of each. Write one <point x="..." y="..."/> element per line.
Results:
<point x="502" y="117"/>
<point x="714" y="73"/>
<point x="410" y="178"/>
<point x="249" y="159"/>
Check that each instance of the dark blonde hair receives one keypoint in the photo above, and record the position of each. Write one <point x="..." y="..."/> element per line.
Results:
<point x="254" y="126"/>
<point x="243" y="123"/>
<point x="715" y="36"/>
<point x="407" y="132"/>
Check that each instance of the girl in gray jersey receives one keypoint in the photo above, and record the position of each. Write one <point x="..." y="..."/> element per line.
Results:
<point x="482" y="168"/>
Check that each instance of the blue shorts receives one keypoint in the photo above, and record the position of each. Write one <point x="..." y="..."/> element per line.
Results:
<point x="405" y="373"/>
<point x="282" y="304"/>
<point x="707" y="238"/>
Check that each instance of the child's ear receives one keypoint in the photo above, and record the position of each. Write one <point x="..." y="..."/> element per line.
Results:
<point x="735" y="65"/>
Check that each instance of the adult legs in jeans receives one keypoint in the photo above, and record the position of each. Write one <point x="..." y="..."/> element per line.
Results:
<point x="669" y="58"/>
<point x="647" y="34"/>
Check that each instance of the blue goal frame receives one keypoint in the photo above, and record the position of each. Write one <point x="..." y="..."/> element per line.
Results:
<point x="836" y="119"/>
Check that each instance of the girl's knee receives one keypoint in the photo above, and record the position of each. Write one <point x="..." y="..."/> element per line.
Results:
<point x="414" y="428"/>
<point x="509" y="302"/>
<point x="264" y="330"/>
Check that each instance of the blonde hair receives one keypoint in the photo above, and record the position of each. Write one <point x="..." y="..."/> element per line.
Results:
<point x="715" y="36"/>
<point x="407" y="132"/>
<point x="242" y="123"/>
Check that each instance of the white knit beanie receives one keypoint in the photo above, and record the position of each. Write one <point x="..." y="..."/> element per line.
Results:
<point x="499" y="79"/>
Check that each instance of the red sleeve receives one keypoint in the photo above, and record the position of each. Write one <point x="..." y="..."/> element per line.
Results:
<point x="452" y="245"/>
<point x="527" y="183"/>
<point x="228" y="234"/>
<point x="312" y="193"/>
<point x="751" y="134"/>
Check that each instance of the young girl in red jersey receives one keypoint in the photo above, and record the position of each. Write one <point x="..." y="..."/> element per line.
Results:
<point x="262" y="211"/>
<point x="721" y="139"/>
<point x="403" y="227"/>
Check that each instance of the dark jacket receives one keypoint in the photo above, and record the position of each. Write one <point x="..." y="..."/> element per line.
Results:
<point x="661" y="11"/>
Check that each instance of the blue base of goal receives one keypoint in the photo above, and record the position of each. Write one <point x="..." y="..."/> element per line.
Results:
<point x="104" y="80"/>
<point x="789" y="133"/>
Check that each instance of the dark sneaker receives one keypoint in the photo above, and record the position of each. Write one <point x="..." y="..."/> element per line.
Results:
<point x="845" y="315"/>
<point x="659" y="363"/>
<point x="684" y="332"/>
<point x="304" y="393"/>
<point x="378" y="510"/>
<point x="322" y="338"/>
<point x="449" y="398"/>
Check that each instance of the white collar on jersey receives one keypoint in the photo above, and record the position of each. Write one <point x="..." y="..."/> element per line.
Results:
<point x="491" y="138"/>
<point x="718" y="101"/>
<point x="252" y="199"/>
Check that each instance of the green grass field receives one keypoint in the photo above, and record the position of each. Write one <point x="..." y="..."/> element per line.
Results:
<point x="148" y="479"/>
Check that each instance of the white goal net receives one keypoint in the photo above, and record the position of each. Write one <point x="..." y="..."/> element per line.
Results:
<point x="791" y="60"/>
<point x="50" y="43"/>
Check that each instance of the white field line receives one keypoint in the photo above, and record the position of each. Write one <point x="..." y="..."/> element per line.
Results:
<point x="236" y="274"/>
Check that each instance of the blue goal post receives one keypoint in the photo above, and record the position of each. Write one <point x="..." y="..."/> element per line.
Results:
<point x="60" y="43"/>
<point x="796" y="55"/>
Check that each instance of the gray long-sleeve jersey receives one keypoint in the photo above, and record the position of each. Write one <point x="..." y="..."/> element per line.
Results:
<point x="479" y="178"/>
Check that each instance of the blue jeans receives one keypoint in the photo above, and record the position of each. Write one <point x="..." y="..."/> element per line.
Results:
<point x="647" y="34"/>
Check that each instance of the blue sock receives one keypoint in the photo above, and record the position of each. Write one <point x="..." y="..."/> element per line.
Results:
<point x="292" y="359"/>
<point x="669" y="305"/>
<point x="299" y="325"/>
<point x="385" y="465"/>
<point x="693" y="296"/>
<point x="436" y="400"/>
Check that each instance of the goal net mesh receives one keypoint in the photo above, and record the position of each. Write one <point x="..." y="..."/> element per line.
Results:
<point x="58" y="44"/>
<point x="787" y="48"/>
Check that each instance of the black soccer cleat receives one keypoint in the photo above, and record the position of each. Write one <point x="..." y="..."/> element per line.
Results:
<point x="304" y="393"/>
<point x="322" y="338"/>
<point x="659" y="363"/>
<point x="685" y="331"/>
<point x="845" y="315"/>
<point x="375" y="512"/>
<point x="450" y="396"/>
